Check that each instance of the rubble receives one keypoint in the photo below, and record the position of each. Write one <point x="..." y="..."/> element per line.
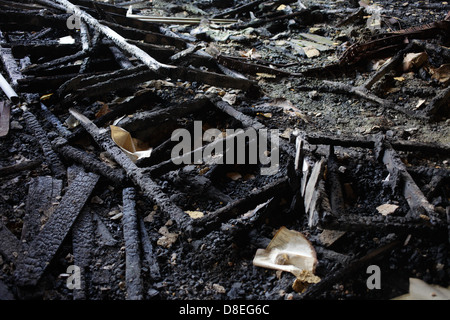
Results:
<point x="96" y="204"/>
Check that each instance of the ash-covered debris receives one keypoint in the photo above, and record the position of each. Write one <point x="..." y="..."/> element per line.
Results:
<point x="223" y="150"/>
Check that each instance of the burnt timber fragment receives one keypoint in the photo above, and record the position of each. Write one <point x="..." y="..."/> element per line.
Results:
<point x="38" y="256"/>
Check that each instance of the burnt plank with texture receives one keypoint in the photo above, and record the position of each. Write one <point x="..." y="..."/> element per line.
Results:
<point x="42" y="192"/>
<point x="55" y="163"/>
<point x="132" y="246"/>
<point x="42" y="249"/>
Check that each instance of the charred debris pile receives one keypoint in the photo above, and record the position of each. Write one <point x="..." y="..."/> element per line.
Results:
<point x="224" y="149"/>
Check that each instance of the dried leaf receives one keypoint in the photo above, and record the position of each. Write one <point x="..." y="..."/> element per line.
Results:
<point x="103" y="110"/>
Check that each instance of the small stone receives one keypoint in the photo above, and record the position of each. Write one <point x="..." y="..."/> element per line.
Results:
<point x="218" y="288"/>
<point x="387" y="209"/>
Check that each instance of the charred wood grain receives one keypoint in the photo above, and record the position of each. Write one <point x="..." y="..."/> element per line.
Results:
<point x="334" y="185"/>
<point x="146" y="119"/>
<point x="150" y="188"/>
<point x="49" y="49"/>
<point x="9" y="62"/>
<point x="150" y="260"/>
<point x="360" y="142"/>
<point x="44" y="246"/>
<point x="102" y="88"/>
<point x="51" y="157"/>
<point x="83" y="246"/>
<point x="379" y="223"/>
<point x="132" y="246"/>
<point x="90" y="162"/>
<point x="51" y="118"/>
<point x="10" y="245"/>
<point x="35" y="18"/>
<point x="402" y="180"/>
<point x="37" y="68"/>
<point x="85" y="80"/>
<point x="121" y="59"/>
<point x="43" y="83"/>
<point x="141" y="99"/>
<point x="42" y="194"/>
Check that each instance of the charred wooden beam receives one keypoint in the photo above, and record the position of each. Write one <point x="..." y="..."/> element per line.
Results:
<point x="54" y="162"/>
<point x="146" y="36"/>
<point x="137" y="175"/>
<point x="148" y="252"/>
<point x="114" y="36"/>
<point x="5" y="114"/>
<point x="83" y="246"/>
<point x="9" y="62"/>
<point x="379" y="223"/>
<point x="35" y="260"/>
<point x="22" y="166"/>
<point x="334" y="185"/>
<point x="146" y="119"/>
<point x="49" y="49"/>
<point x="42" y="194"/>
<point x="142" y="98"/>
<point x="50" y="117"/>
<point x="401" y="179"/>
<point x="89" y="161"/>
<point x="132" y="246"/>
<point x="359" y="142"/>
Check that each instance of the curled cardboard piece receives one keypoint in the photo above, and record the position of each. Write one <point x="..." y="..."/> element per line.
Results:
<point x="131" y="146"/>
<point x="289" y="251"/>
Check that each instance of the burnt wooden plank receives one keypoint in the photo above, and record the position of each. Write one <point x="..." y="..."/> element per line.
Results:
<point x="9" y="244"/>
<point x="42" y="193"/>
<point x="55" y="163"/>
<point x="34" y="262"/>
<point x="141" y="178"/>
<point x="401" y="179"/>
<point x="148" y="252"/>
<point x="132" y="246"/>
<point x="4" y="118"/>
<point x="83" y="246"/>
<point x="89" y="161"/>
